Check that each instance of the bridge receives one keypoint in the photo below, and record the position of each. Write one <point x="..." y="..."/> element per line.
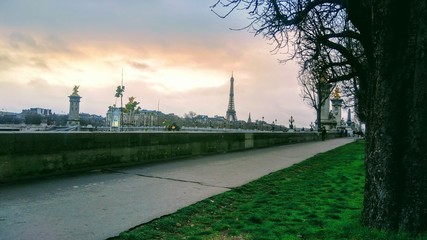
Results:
<point x="99" y="204"/>
<point x="25" y="155"/>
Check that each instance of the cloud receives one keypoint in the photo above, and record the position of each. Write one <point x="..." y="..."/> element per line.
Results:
<point x="39" y="63"/>
<point x="140" y="66"/>
<point x="36" y="53"/>
<point x="38" y="82"/>
<point x="6" y="62"/>
<point x="38" y="44"/>
<point x="19" y="41"/>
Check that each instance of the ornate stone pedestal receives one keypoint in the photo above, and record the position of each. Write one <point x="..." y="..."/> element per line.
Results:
<point x="73" y="115"/>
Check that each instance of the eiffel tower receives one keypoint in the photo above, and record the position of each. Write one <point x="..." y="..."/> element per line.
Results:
<point x="231" y="113"/>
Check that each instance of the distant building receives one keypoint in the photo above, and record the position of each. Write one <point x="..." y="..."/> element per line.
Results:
<point x="39" y="111"/>
<point x="142" y="117"/>
<point x="115" y="118"/>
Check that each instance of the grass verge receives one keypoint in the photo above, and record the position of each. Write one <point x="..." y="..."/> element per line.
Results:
<point x="320" y="198"/>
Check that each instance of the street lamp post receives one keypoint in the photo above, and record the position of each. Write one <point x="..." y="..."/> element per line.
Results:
<point x="262" y="124"/>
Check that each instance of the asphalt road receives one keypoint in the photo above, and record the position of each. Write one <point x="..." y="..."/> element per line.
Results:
<point x="102" y="204"/>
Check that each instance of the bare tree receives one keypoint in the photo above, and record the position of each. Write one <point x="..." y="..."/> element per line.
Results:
<point x="315" y="90"/>
<point x="382" y="47"/>
<point x="335" y="66"/>
<point x="190" y="115"/>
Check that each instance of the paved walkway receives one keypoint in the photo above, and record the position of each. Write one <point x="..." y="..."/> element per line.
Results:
<point x="101" y="204"/>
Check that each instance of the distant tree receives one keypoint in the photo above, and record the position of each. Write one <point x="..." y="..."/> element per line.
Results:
<point x="132" y="105"/>
<point x="119" y="94"/>
<point x="61" y="120"/>
<point x="168" y="119"/>
<point x="131" y="108"/>
<point x="189" y="119"/>
<point x="33" y="118"/>
<point x="190" y="115"/>
<point x="10" y="119"/>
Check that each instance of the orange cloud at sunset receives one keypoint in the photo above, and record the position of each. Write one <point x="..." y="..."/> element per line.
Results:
<point x="182" y="59"/>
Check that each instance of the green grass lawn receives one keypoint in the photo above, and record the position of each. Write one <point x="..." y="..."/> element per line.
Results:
<point x="320" y="198"/>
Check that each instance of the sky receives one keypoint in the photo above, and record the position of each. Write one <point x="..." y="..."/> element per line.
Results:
<point x="175" y="56"/>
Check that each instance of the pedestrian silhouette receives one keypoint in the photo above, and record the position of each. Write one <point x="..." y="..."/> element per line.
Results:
<point x="323" y="133"/>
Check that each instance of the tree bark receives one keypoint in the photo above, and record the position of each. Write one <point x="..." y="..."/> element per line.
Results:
<point x="396" y="146"/>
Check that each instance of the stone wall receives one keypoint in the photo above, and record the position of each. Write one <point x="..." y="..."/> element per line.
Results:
<point x="32" y="155"/>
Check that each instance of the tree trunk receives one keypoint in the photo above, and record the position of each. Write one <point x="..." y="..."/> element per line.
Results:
<point x="396" y="145"/>
<point x="319" y="110"/>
